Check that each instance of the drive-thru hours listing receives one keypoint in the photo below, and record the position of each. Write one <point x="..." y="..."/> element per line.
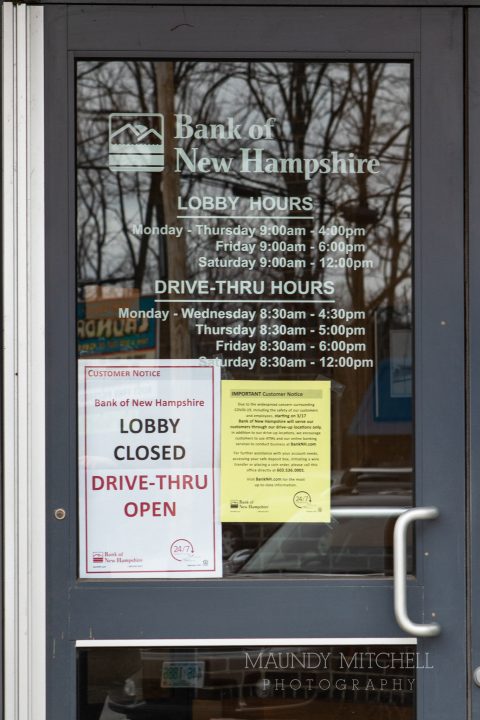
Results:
<point x="148" y="469"/>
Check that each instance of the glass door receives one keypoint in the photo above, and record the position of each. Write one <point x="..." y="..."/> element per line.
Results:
<point x="255" y="265"/>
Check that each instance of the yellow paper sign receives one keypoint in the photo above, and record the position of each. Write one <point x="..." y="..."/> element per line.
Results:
<point x="275" y="455"/>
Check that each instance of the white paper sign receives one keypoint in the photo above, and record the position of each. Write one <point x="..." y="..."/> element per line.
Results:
<point x="149" y="469"/>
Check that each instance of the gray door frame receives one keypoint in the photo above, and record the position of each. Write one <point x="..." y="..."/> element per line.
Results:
<point x="473" y="380"/>
<point x="432" y="40"/>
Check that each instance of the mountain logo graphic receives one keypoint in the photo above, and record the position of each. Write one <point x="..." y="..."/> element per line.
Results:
<point x="135" y="142"/>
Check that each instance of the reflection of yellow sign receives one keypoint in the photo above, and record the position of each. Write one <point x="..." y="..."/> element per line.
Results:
<point x="275" y="451"/>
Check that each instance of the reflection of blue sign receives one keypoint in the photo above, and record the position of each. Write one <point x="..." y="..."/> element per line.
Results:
<point x="107" y="335"/>
<point x="393" y="391"/>
<point x="401" y="379"/>
<point x="401" y="376"/>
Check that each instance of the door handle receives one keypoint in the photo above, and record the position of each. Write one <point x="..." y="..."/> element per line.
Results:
<point x="400" y="572"/>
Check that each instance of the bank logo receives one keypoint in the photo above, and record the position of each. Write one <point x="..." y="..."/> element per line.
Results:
<point x="135" y="142"/>
<point x="98" y="557"/>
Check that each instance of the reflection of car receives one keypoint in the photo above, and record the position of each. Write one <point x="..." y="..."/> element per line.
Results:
<point x="294" y="683"/>
<point x="345" y="544"/>
<point x="232" y="536"/>
<point x="167" y="684"/>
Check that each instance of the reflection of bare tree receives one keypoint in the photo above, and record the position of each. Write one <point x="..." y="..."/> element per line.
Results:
<point x="176" y="254"/>
<point x="111" y="204"/>
<point x="118" y="194"/>
<point x="320" y="107"/>
<point x="299" y="101"/>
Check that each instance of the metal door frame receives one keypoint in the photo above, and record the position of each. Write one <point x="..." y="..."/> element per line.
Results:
<point x="23" y="385"/>
<point x="473" y="349"/>
<point x="439" y="342"/>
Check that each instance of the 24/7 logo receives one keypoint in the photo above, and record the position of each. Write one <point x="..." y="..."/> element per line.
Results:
<point x="181" y="549"/>
<point x="302" y="499"/>
<point x="135" y="142"/>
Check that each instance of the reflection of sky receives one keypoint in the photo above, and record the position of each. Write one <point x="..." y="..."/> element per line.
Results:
<point x="113" y="87"/>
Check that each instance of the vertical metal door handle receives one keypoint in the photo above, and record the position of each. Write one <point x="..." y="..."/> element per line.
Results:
<point x="400" y="572"/>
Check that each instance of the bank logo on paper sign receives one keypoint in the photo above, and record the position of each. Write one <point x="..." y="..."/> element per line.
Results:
<point x="135" y="142"/>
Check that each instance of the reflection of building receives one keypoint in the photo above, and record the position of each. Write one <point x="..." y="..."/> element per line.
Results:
<point x="107" y="334"/>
